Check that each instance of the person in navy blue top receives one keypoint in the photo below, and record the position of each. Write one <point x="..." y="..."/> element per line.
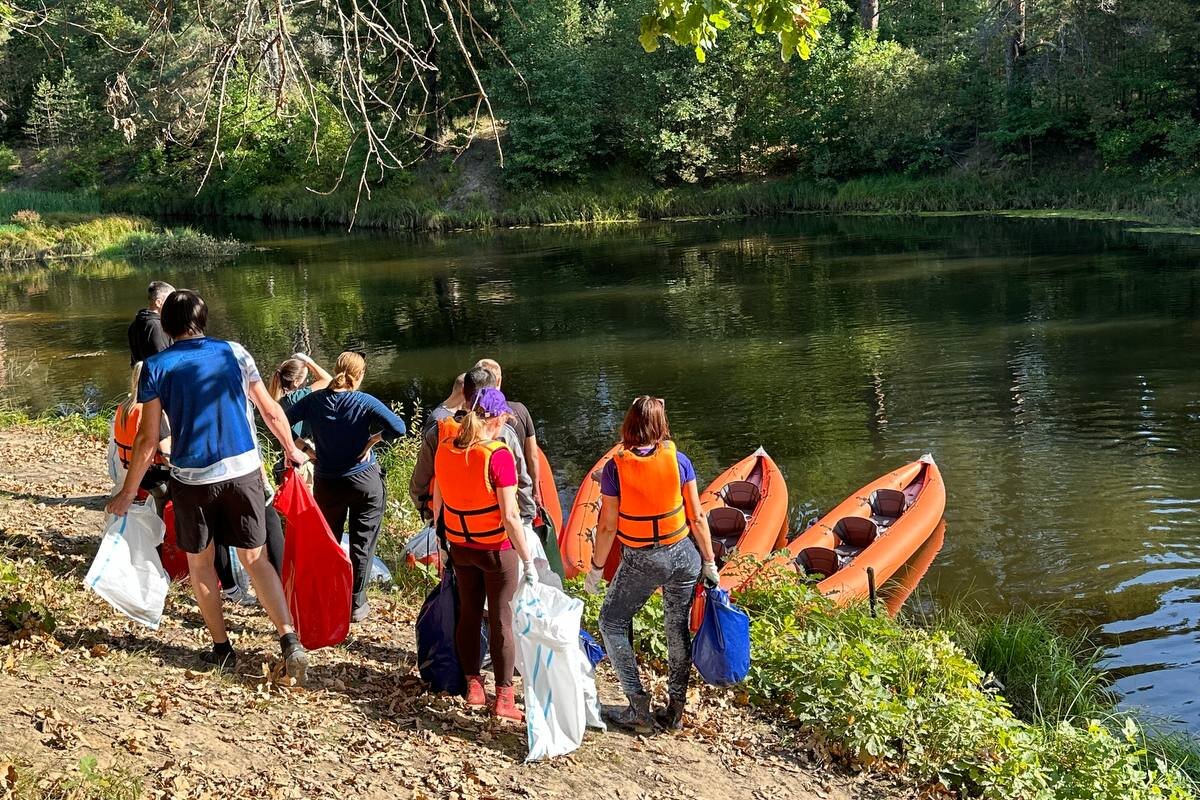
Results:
<point x="348" y="485"/>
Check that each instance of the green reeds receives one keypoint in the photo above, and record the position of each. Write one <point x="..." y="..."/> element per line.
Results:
<point x="1046" y="675"/>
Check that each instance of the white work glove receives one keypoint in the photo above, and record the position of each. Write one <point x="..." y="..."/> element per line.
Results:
<point x="530" y="573"/>
<point x="591" y="584"/>
<point x="709" y="574"/>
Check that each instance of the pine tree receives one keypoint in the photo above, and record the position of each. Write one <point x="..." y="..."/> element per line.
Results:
<point x="42" y="125"/>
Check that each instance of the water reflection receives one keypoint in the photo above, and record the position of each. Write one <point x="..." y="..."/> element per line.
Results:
<point x="1052" y="368"/>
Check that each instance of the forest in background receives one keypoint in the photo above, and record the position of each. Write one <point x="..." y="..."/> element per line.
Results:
<point x="300" y="105"/>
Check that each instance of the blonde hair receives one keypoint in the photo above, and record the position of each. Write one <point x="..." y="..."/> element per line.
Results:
<point x="290" y="375"/>
<point x="492" y="366"/>
<point x="126" y="406"/>
<point x="347" y="371"/>
<point x="470" y="431"/>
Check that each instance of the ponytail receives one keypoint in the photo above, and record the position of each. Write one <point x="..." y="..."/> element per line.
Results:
<point x="126" y="406"/>
<point x="470" y="431"/>
<point x="289" y="376"/>
<point x="347" y="371"/>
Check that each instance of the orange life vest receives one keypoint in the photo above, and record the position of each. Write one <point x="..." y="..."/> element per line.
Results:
<point x="447" y="428"/>
<point x="650" y="508"/>
<point x="125" y="428"/>
<point x="470" y="510"/>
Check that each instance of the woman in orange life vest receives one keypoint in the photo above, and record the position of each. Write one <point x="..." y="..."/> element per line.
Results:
<point x="650" y="504"/>
<point x="475" y="497"/>
<point x="124" y="430"/>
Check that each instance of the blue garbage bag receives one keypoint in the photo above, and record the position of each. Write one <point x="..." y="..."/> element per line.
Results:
<point x="721" y="649"/>
<point x="437" y="657"/>
<point x="591" y="648"/>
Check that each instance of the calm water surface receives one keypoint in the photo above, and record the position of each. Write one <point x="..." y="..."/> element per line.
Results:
<point x="1052" y="368"/>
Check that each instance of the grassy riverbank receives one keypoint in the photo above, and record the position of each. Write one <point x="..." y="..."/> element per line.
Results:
<point x="437" y="201"/>
<point x="48" y="226"/>
<point x="983" y="707"/>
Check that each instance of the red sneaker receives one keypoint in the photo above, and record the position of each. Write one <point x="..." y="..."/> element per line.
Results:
<point x="476" y="694"/>
<point x="506" y="707"/>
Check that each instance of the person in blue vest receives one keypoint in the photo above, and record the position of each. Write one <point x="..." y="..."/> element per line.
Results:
<point x="209" y="389"/>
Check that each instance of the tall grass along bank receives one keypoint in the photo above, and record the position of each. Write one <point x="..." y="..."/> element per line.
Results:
<point x="48" y="226"/>
<point x="433" y="202"/>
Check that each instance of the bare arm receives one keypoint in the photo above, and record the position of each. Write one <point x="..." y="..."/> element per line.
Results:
<point x="606" y="531"/>
<point x="534" y="465"/>
<point x="144" y="446"/>
<point x="321" y="378"/>
<point x="698" y="521"/>
<point x="277" y="421"/>
<point x="510" y="512"/>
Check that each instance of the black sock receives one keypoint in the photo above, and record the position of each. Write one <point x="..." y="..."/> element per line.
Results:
<point x="287" y="641"/>
<point x="223" y="648"/>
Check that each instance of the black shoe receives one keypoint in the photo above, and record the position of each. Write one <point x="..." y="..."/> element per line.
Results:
<point x="635" y="717"/>
<point x="295" y="658"/>
<point x="222" y="659"/>
<point x="670" y="717"/>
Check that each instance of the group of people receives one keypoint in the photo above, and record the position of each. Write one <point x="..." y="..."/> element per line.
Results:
<point x="477" y="477"/>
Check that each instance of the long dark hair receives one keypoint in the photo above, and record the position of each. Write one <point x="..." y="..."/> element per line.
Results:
<point x="645" y="422"/>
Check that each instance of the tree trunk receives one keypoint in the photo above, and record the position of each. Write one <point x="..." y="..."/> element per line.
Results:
<point x="1015" y="52"/>
<point x="868" y="11"/>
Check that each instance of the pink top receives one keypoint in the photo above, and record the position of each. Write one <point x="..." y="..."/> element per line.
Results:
<point x="503" y="471"/>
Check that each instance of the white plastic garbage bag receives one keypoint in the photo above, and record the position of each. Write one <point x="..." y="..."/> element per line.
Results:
<point x="546" y="624"/>
<point x="127" y="571"/>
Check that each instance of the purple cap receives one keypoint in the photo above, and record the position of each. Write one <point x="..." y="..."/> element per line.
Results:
<point x="491" y="402"/>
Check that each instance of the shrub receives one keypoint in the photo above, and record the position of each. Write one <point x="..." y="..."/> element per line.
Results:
<point x="27" y="218"/>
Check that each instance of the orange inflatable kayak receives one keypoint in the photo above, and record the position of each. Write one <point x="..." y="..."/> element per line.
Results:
<point x="550" y="500"/>
<point x="879" y="527"/>
<point x="747" y="511"/>
<point x="575" y="539"/>
<point x="905" y="581"/>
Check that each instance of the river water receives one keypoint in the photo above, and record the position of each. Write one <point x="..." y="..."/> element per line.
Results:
<point x="1052" y="367"/>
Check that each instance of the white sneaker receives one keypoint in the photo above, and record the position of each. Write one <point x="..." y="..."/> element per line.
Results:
<point x="238" y="597"/>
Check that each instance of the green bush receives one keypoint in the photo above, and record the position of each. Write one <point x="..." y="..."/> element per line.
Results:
<point x="874" y="690"/>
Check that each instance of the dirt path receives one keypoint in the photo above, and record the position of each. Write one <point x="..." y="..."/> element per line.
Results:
<point x="134" y="698"/>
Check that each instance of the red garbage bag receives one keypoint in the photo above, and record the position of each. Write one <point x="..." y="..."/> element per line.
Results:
<point x="317" y="579"/>
<point x="173" y="559"/>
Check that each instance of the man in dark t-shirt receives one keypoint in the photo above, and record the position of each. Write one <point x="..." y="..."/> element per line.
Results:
<point x="522" y="422"/>
<point x="146" y="335"/>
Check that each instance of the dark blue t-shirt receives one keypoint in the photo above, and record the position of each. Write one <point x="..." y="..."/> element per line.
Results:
<point x="340" y="424"/>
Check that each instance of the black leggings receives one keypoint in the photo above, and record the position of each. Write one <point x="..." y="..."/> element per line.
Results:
<point x="360" y="498"/>
<point x="224" y="563"/>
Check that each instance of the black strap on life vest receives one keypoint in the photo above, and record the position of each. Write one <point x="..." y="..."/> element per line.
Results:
<point x="462" y="519"/>
<point x="655" y="519"/>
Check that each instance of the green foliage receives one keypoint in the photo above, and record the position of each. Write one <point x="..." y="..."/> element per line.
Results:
<point x="1044" y="674"/>
<point x="89" y="782"/>
<point x="694" y="23"/>
<point x="59" y="113"/>
<point x="175" y="243"/>
<point x="873" y="689"/>
<point x="14" y="200"/>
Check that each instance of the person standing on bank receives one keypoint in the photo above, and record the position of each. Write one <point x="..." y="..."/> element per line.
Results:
<point x="475" y="495"/>
<point x="209" y="389"/>
<point x="649" y="503"/>
<point x="346" y="424"/>
<point x="146" y="336"/>
<point x="520" y="421"/>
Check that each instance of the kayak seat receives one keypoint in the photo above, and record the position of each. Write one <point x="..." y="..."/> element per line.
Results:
<point x="857" y="532"/>
<point x="726" y="523"/>
<point x="818" y="561"/>
<point x="742" y="495"/>
<point x="888" y="502"/>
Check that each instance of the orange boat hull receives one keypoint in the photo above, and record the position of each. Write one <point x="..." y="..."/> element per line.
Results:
<point x="766" y="526"/>
<point x="894" y="546"/>
<point x="576" y="538"/>
<point x="550" y="500"/>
